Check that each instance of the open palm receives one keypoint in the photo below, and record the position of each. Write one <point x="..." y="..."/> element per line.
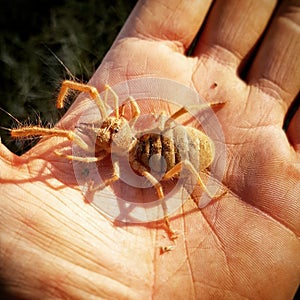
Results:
<point x="246" y="244"/>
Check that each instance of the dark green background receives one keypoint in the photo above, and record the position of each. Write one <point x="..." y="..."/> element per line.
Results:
<point x="31" y="34"/>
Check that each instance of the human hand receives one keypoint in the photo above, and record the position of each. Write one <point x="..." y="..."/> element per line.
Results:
<point x="246" y="244"/>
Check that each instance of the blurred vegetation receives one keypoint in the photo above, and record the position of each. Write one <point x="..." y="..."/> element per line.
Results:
<point x="33" y="35"/>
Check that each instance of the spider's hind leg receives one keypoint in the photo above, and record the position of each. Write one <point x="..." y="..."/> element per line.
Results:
<point x="137" y="166"/>
<point x="187" y="165"/>
<point x="185" y="109"/>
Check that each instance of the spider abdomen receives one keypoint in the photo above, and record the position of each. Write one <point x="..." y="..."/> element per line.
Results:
<point x="160" y="152"/>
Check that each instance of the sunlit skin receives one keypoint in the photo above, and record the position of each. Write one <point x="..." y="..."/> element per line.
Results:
<point x="245" y="244"/>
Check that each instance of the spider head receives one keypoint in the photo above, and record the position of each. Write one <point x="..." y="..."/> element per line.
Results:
<point x="113" y="133"/>
<point x="117" y="133"/>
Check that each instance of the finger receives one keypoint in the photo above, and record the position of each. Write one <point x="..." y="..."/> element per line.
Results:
<point x="294" y="130"/>
<point x="232" y="29"/>
<point x="276" y="68"/>
<point x="171" y="20"/>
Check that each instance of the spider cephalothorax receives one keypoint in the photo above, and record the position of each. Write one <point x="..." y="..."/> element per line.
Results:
<point x="112" y="130"/>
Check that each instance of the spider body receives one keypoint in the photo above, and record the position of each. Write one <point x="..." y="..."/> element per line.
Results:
<point x="165" y="151"/>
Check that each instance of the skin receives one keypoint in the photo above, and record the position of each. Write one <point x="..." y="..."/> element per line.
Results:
<point x="246" y="244"/>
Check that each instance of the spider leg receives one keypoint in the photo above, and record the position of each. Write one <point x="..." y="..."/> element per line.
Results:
<point x="188" y="165"/>
<point x="135" y="111"/>
<point x="135" y="108"/>
<point x="30" y="131"/>
<point x="161" y="121"/>
<point x="116" y="99"/>
<point x="109" y="181"/>
<point x="185" y="109"/>
<point x="68" y="84"/>
<point x="137" y="166"/>
<point x="89" y="159"/>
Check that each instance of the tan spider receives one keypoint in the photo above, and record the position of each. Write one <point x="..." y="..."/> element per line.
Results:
<point x="173" y="148"/>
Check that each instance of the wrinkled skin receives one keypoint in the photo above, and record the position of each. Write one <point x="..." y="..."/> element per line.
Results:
<point x="243" y="246"/>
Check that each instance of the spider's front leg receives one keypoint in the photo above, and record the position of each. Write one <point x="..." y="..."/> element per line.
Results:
<point x="135" y="110"/>
<point x="81" y="87"/>
<point x="30" y="131"/>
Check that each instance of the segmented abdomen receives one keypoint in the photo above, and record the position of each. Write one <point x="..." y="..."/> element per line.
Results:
<point x="160" y="152"/>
